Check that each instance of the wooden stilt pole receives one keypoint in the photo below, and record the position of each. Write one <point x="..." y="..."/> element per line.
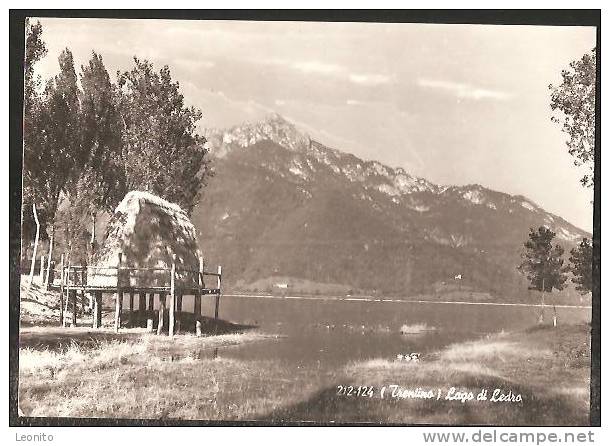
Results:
<point x="131" y="309"/>
<point x="161" y="312"/>
<point x="142" y="306"/>
<point x="172" y="298"/>
<point x="67" y="293"/>
<point x="218" y="282"/>
<point x="178" y="309"/>
<point x="61" y="292"/>
<point x="197" y="303"/>
<point x="97" y="310"/>
<point x="94" y="313"/>
<point x="151" y="302"/>
<point x="119" y="297"/>
<point x="81" y="294"/>
<point x="74" y="307"/>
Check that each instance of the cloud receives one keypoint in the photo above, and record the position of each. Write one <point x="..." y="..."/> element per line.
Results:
<point x="354" y="102"/>
<point x="369" y="79"/>
<point x="193" y="64"/>
<point x="333" y="70"/>
<point x="318" y="67"/>
<point x="464" y="91"/>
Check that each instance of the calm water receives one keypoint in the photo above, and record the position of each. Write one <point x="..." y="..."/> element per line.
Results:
<point x="333" y="332"/>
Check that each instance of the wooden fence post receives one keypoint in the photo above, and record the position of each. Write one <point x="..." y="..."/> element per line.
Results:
<point x="197" y="304"/>
<point x="61" y="291"/>
<point x="118" y="307"/>
<point x="218" y="281"/>
<point x="172" y="297"/>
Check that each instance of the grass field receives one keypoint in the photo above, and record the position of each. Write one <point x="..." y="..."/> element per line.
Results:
<point x="136" y="375"/>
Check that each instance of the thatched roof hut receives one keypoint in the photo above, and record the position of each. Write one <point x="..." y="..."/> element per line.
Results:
<point x="148" y="232"/>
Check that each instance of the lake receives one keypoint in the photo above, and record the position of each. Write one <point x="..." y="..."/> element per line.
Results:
<point x="326" y="332"/>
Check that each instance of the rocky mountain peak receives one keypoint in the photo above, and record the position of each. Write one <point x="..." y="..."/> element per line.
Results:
<point x="306" y="161"/>
<point x="283" y="202"/>
<point x="273" y="128"/>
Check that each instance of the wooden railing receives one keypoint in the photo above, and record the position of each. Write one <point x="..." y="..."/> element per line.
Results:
<point x="122" y="279"/>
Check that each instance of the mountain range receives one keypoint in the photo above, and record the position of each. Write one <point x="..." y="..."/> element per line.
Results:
<point x="282" y="204"/>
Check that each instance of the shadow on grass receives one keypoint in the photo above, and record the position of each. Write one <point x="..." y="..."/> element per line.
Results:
<point x="58" y="338"/>
<point x="539" y="407"/>
<point x="186" y="322"/>
<point x="38" y="302"/>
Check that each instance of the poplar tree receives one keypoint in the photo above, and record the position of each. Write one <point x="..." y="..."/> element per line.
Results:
<point x="162" y="151"/>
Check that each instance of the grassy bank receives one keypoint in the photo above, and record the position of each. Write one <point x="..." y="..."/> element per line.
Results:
<point x="548" y="367"/>
<point x="135" y="375"/>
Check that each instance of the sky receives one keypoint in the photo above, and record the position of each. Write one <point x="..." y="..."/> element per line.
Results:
<point x="455" y="104"/>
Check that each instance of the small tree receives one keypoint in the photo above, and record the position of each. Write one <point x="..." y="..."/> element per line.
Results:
<point x="575" y="99"/>
<point x="543" y="264"/>
<point x="581" y="265"/>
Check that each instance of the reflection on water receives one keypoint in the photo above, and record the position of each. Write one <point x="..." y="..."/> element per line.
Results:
<point x="329" y="332"/>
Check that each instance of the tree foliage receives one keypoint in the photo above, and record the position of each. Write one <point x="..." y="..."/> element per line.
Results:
<point x="162" y="152"/>
<point x="542" y="261"/>
<point x="575" y="99"/>
<point x="581" y="265"/>
<point x="54" y="163"/>
<point x="101" y="181"/>
<point x="35" y="49"/>
<point x="88" y="141"/>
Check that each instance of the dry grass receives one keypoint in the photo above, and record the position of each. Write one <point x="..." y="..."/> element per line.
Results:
<point x="148" y="377"/>
<point x="547" y="366"/>
<point x="490" y="350"/>
<point x="143" y="376"/>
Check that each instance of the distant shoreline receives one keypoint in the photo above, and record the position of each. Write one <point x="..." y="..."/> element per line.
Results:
<point x="412" y="301"/>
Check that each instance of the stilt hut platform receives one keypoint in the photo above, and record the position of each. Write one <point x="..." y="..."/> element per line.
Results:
<point x="150" y="250"/>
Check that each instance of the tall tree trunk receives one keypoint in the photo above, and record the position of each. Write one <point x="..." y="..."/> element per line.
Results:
<point x="541" y="317"/>
<point x="92" y="229"/>
<point x="35" y="247"/>
<point x="91" y="255"/>
<point x="46" y="279"/>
